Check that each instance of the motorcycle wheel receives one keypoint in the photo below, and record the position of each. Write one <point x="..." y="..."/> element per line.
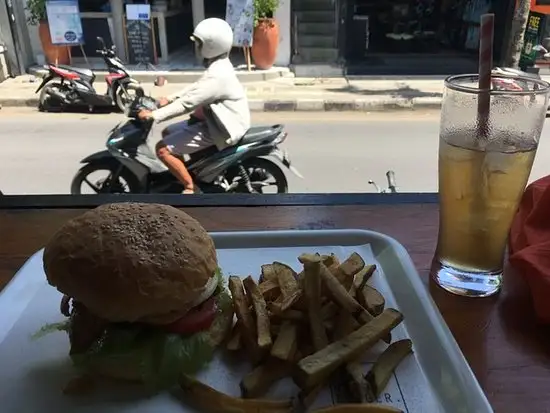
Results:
<point x="48" y="103"/>
<point x="132" y="184"/>
<point x="260" y="170"/>
<point x="125" y="98"/>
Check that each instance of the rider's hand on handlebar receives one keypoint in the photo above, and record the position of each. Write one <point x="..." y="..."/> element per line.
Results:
<point x="144" y="114"/>
<point x="163" y="102"/>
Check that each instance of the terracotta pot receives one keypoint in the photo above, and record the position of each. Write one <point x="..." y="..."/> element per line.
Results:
<point x="52" y="53"/>
<point x="265" y="43"/>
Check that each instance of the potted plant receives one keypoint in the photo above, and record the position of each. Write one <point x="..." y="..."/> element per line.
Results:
<point x="38" y="17"/>
<point x="266" y="33"/>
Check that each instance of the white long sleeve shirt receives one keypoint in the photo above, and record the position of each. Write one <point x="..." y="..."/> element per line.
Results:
<point x="219" y="90"/>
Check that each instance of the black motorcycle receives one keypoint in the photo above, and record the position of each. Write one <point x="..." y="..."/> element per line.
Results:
<point x="131" y="166"/>
<point x="73" y="87"/>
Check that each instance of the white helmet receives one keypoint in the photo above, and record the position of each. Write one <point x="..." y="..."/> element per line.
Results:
<point x="215" y="37"/>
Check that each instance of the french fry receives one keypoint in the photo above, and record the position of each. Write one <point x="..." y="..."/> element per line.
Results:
<point x="242" y="311"/>
<point x="262" y="319"/>
<point x="234" y="342"/>
<point x="294" y="315"/>
<point x="312" y="287"/>
<point x="329" y="310"/>
<point x="331" y="262"/>
<point x="361" y="279"/>
<point x="258" y="381"/>
<point x="315" y="368"/>
<point x="346" y="317"/>
<point x="284" y="303"/>
<point x="212" y="400"/>
<point x="371" y="299"/>
<point x="359" y="408"/>
<point x="286" y="342"/>
<point x="347" y="270"/>
<point x="357" y="382"/>
<point x="345" y="324"/>
<point x="287" y="279"/>
<point x="274" y="329"/>
<point x="339" y="294"/>
<point x="379" y="375"/>
<point x="268" y="273"/>
<point x="270" y="290"/>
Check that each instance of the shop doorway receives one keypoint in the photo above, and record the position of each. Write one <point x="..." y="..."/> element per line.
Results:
<point x="179" y="27"/>
<point x="415" y="37"/>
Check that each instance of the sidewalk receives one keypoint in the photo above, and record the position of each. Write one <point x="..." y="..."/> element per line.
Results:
<point x="287" y="94"/>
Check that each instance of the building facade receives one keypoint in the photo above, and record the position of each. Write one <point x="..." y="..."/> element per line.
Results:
<point x="173" y="23"/>
<point x="538" y="28"/>
<point x="398" y="37"/>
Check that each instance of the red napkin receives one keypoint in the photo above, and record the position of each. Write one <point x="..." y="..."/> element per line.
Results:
<point x="529" y="244"/>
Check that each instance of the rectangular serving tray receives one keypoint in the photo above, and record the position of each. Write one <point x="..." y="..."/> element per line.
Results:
<point x="436" y="378"/>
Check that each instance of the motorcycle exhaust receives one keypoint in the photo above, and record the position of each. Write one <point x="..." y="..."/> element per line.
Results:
<point x="58" y="95"/>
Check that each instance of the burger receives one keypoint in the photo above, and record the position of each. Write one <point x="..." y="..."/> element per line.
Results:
<point x="142" y="292"/>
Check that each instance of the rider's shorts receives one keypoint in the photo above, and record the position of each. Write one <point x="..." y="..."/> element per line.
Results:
<point x="182" y="138"/>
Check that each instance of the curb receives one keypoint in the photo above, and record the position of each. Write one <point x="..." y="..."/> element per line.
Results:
<point x="185" y="76"/>
<point x="304" y="105"/>
<point x="357" y="105"/>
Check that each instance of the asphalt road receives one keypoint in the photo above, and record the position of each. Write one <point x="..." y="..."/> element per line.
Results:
<point x="336" y="152"/>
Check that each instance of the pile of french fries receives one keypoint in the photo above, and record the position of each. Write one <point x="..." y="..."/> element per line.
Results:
<point x="312" y="326"/>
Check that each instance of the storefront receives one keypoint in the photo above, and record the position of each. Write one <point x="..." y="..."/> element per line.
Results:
<point x="171" y="23"/>
<point x="538" y="27"/>
<point x="416" y="29"/>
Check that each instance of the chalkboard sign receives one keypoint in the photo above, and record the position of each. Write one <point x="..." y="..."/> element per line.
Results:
<point x="140" y="42"/>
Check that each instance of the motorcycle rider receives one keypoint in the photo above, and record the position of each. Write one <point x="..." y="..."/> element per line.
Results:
<point x="218" y="102"/>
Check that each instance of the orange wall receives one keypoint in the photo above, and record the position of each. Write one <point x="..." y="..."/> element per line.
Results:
<point x="539" y="9"/>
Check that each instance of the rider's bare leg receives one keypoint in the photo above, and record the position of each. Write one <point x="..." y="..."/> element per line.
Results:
<point x="176" y="166"/>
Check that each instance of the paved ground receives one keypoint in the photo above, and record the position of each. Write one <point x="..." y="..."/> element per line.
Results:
<point x="291" y="94"/>
<point x="286" y="94"/>
<point x="336" y="152"/>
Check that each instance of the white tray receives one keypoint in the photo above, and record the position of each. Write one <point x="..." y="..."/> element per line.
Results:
<point x="436" y="378"/>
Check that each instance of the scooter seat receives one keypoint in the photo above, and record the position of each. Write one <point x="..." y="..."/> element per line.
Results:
<point x="81" y="71"/>
<point x="260" y="133"/>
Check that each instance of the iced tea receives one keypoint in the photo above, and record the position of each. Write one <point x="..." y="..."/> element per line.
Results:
<point x="485" y="158"/>
<point x="479" y="194"/>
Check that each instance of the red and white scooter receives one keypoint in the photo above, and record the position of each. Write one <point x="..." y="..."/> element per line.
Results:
<point x="72" y="87"/>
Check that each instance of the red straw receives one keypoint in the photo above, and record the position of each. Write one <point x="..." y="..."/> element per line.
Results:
<point x="486" y="36"/>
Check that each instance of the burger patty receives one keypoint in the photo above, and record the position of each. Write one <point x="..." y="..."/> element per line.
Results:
<point x="86" y="328"/>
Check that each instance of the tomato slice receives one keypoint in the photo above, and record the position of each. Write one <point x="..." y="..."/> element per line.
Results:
<point x="198" y="319"/>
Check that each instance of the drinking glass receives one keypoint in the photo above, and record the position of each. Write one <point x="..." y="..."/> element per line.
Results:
<point x="485" y="159"/>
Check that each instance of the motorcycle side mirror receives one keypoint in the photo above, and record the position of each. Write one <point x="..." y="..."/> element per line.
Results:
<point x="100" y="41"/>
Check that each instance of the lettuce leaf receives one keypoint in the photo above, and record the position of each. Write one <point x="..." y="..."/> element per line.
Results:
<point x="158" y="357"/>
<point x="52" y="328"/>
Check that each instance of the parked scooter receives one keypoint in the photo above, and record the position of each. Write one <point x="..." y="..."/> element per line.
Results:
<point x="132" y="167"/>
<point x="68" y="86"/>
